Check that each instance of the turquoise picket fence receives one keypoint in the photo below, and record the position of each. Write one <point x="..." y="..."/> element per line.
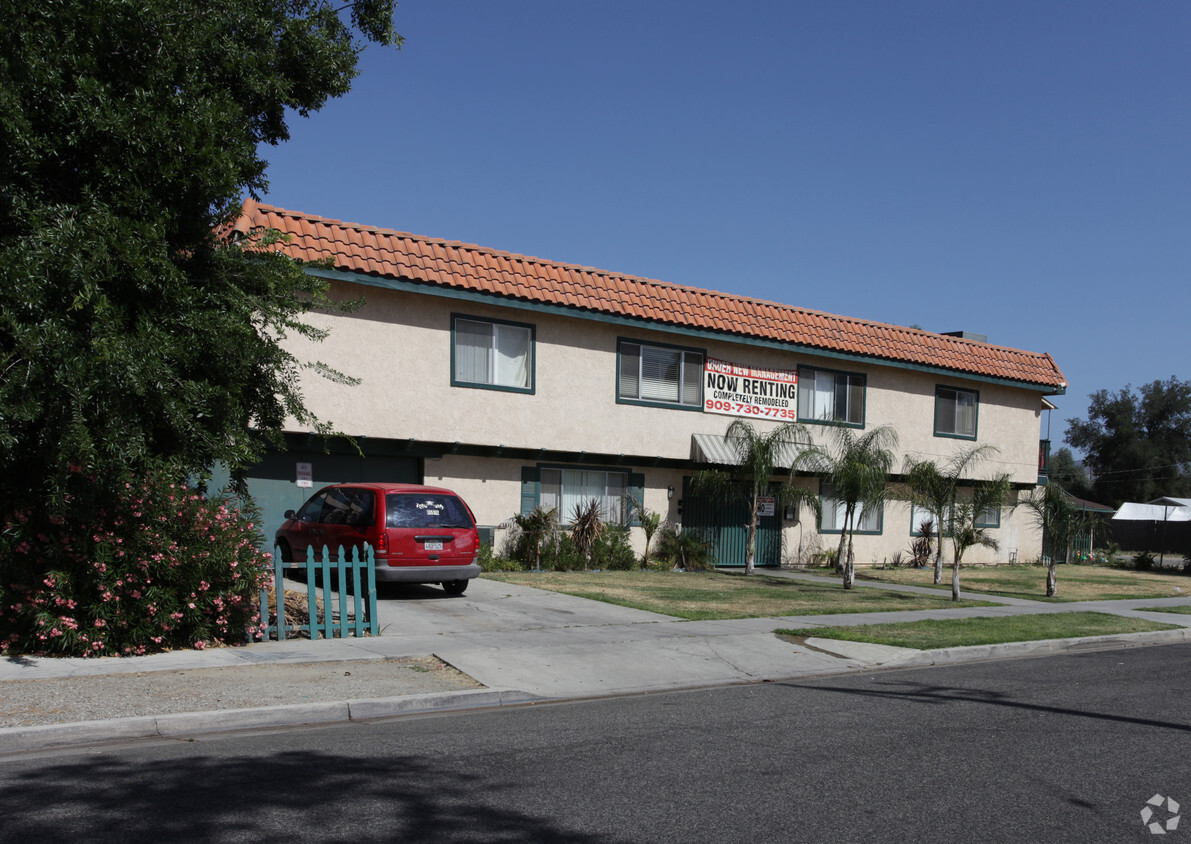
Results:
<point x="340" y="595"/>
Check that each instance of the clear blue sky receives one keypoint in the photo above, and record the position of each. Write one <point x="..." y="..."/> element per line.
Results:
<point x="1017" y="169"/>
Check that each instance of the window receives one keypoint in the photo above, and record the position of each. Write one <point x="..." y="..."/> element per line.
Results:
<point x="660" y="375"/>
<point x="919" y="514"/>
<point x="867" y="520"/>
<point x="989" y="517"/>
<point x="565" y="490"/>
<point x="487" y="353"/>
<point x="425" y="510"/>
<point x="340" y="506"/>
<point x="827" y="396"/>
<point x="955" y="412"/>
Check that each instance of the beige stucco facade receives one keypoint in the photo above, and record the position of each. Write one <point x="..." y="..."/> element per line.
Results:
<point x="477" y="441"/>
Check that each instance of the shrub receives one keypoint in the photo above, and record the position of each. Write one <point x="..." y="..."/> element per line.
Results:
<point x="489" y="560"/>
<point x="562" y="555"/>
<point x="154" y="566"/>
<point x="686" y="549"/>
<point x="612" y="551"/>
<point x="1144" y="561"/>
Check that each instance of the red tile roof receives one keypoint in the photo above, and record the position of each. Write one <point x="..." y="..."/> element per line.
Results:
<point x="463" y="266"/>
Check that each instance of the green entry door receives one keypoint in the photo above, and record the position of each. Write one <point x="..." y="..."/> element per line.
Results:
<point x="725" y="525"/>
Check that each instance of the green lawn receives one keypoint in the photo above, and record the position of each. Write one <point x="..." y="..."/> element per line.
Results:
<point x="1176" y="610"/>
<point x="1076" y="583"/>
<point x="700" y="596"/>
<point x="958" y="632"/>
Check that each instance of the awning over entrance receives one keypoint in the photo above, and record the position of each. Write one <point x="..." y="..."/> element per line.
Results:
<point x="715" y="449"/>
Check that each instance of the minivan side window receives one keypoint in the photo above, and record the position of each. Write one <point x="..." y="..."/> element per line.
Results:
<point x="312" y="509"/>
<point x="426" y="511"/>
<point x="348" y="506"/>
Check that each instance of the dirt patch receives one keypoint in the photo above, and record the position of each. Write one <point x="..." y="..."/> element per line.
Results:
<point x="65" y="700"/>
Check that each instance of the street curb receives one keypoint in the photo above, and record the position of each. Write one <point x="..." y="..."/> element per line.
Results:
<point x="977" y="653"/>
<point x="177" y="725"/>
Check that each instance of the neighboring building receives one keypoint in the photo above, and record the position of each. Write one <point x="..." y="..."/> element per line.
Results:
<point x="518" y="381"/>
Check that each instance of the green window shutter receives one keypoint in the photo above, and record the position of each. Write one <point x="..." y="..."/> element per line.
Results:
<point x="530" y="488"/>
<point x="636" y="493"/>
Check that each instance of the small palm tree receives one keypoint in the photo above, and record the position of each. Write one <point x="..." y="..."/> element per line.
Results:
<point x="857" y="468"/>
<point x="934" y="488"/>
<point x="758" y="456"/>
<point x="536" y="525"/>
<point x="986" y="495"/>
<point x="684" y="547"/>
<point x="1061" y="520"/>
<point x="650" y="523"/>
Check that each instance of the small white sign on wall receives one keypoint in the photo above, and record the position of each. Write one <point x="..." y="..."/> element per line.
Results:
<point x="305" y="474"/>
<point x="766" y="506"/>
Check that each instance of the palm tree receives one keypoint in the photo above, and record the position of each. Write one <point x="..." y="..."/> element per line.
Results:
<point x="1061" y="520"/>
<point x="536" y="525"/>
<point x="934" y="488"/>
<point x="758" y="455"/>
<point x="857" y="469"/>
<point x="650" y="520"/>
<point x="986" y="495"/>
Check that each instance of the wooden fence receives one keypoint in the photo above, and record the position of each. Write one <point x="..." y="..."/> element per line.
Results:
<point x="340" y="596"/>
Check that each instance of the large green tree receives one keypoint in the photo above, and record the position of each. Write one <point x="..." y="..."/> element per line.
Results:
<point x="1137" y="444"/>
<point x="131" y="333"/>
<point x="1069" y="474"/>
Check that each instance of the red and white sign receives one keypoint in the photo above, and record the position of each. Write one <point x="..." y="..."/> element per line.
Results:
<point x="736" y="390"/>
<point x="305" y="474"/>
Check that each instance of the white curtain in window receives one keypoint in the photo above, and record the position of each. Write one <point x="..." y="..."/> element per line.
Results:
<point x="965" y="413"/>
<point x="512" y="356"/>
<point x="823" y="397"/>
<point x="579" y="486"/>
<point x="473" y="352"/>
<point x="867" y="518"/>
<point x="550" y="495"/>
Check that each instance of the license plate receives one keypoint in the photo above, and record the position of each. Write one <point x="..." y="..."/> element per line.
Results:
<point x="433" y="545"/>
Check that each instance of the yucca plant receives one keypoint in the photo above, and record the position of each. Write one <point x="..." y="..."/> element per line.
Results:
<point x="587" y="527"/>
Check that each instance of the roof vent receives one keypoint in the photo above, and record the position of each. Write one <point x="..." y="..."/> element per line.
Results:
<point x="967" y="335"/>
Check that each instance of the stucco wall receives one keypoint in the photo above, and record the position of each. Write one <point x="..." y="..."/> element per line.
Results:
<point x="399" y="347"/>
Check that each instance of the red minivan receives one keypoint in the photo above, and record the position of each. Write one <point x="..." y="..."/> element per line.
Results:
<point x="420" y="534"/>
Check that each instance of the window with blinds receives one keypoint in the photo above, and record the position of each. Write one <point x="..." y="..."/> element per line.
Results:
<point x="660" y="374"/>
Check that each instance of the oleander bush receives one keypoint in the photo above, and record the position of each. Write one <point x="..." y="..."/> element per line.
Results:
<point x="149" y="566"/>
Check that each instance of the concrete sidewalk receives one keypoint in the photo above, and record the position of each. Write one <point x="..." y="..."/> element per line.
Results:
<point x="523" y="645"/>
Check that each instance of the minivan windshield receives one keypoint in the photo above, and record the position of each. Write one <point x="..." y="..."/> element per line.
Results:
<point x="422" y="510"/>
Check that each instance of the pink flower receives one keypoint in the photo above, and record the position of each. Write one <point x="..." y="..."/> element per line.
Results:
<point x="200" y="644"/>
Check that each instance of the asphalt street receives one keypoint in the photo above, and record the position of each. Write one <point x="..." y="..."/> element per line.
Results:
<point x="1062" y="748"/>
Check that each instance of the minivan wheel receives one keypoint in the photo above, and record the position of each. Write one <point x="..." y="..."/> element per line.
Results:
<point x="454" y="587"/>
